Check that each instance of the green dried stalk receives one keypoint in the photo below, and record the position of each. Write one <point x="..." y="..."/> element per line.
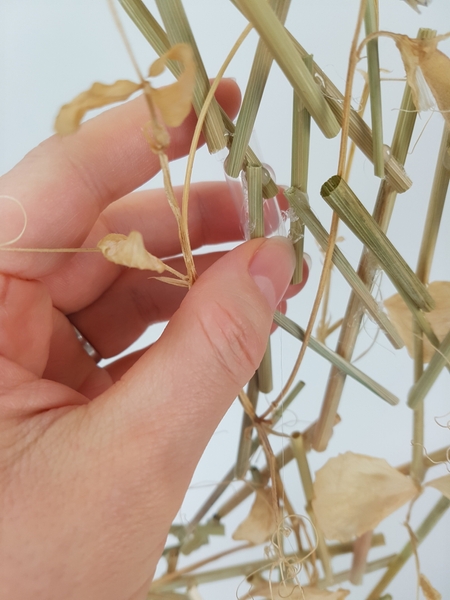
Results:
<point x="245" y="440"/>
<point x="179" y="31"/>
<point x="148" y="26"/>
<point x="417" y="462"/>
<point x="280" y="45"/>
<point x="441" y="358"/>
<point x="299" y="451"/>
<point x="299" y="203"/>
<point x="246" y="569"/>
<point x="345" y="203"/>
<point x="337" y="360"/>
<point x="420" y="534"/>
<point x="262" y="64"/>
<point x="359" y="132"/>
<point x="301" y="133"/>
<point x="373" y="67"/>
<point x="256" y="226"/>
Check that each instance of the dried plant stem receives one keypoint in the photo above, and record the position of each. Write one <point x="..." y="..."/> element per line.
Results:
<point x="418" y="440"/>
<point x="373" y="64"/>
<point x="301" y="131"/>
<point x="245" y="441"/>
<point x="278" y="41"/>
<point x="361" y="549"/>
<point x="257" y="80"/>
<point x="179" y="31"/>
<point x="299" y="203"/>
<point x="430" y="460"/>
<point x="299" y="451"/>
<point x="367" y="270"/>
<point x="420" y="534"/>
<point x="440" y="359"/>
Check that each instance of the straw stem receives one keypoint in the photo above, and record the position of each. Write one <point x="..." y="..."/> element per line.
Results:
<point x="257" y="80"/>
<point x="245" y="440"/>
<point x="264" y="20"/>
<point x="373" y="67"/>
<point x="420" y="534"/>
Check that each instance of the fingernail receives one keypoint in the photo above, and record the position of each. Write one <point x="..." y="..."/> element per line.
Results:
<point x="308" y="260"/>
<point x="271" y="269"/>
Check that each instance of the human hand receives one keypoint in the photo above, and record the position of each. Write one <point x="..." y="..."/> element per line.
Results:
<point x="95" y="462"/>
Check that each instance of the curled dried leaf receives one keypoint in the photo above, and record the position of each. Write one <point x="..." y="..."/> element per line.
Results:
<point x="100" y="94"/>
<point x="353" y="493"/>
<point x="262" y="520"/>
<point x="442" y="484"/>
<point x="174" y="100"/>
<point x="428" y="590"/>
<point x="129" y="251"/>
<point x="416" y="3"/>
<point x="439" y="318"/>
<point x="426" y="67"/>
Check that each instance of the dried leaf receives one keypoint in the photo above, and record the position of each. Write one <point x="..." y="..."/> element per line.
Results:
<point x="442" y="484"/>
<point x="439" y="318"/>
<point x="100" y="94"/>
<point x="428" y="590"/>
<point x="129" y="251"/>
<point x="426" y="66"/>
<point x="174" y="100"/>
<point x="416" y="3"/>
<point x="262" y="520"/>
<point x="353" y="493"/>
<point x="293" y="591"/>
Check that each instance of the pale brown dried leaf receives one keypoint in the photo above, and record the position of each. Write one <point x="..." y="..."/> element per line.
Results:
<point x="262" y="521"/>
<point x="442" y="484"/>
<point x="425" y="65"/>
<point x="416" y="3"/>
<point x="174" y="100"/>
<point x="100" y="94"/>
<point x="354" y="493"/>
<point x="129" y="251"/>
<point x="428" y="590"/>
<point x="439" y="318"/>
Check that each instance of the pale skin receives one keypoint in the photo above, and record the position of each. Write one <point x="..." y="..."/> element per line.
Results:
<point x="95" y="462"/>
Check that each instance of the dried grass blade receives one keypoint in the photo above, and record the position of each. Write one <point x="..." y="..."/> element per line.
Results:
<point x="259" y="73"/>
<point x="245" y="440"/>
<point x="334" y="358"/>
<point x="179" y="31"/>
<point x="373" y="64"/>
<point x="147" y="25"/>
<point x="300" y="204"/>
<point x="345" y="203"/>
<point x="420" y="534"/>
<point x="277" y="40"/>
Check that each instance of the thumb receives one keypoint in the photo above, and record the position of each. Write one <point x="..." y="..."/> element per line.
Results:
<point x="175" y="395"/>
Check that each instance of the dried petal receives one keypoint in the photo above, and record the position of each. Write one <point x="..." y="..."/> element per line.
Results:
<point x="353" y="493"/>
<point x="174" y="100"/>
<point x="442" y="484"/>
<point x="439" y="318"/>
<point x="425" y="64"/>
<point x="129" y="251"/>
<point x="428" y="590"/>
<point x="262" y="520"/>
<point x="100" y="94"/>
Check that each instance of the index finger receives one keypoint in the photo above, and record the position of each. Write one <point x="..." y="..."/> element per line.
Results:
<point x="66" y="182"/>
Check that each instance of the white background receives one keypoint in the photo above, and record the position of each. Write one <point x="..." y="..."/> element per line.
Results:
<point x="52" y="50"/>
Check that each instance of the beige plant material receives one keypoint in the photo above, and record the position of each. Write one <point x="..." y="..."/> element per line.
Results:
<point x="292" y="591"/>
<point x="428" y="590"/>
<point x="174" y="100"/>
<point x="262" y="521"/>
<point x="426" y="67"/>
<point x="354" y="493"/>
<point x="442" y="484"/>
<point x="439" y="318"/>
<point x="129" y="251"/>
<point x="100" y="94"/>
<point x="416" y="3"/>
